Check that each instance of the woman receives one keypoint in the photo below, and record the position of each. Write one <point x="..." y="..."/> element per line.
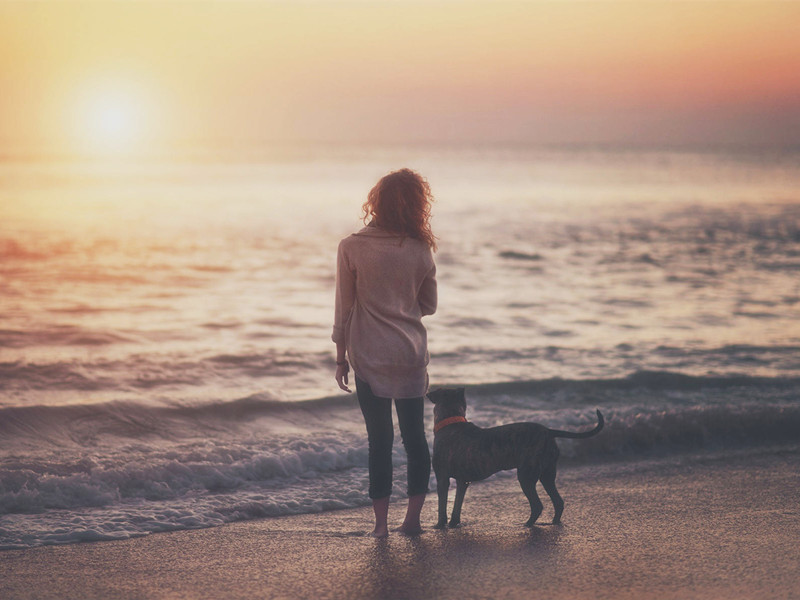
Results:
<point x="385" y="284"/>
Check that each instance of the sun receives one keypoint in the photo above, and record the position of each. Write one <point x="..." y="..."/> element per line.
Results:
<point x="111" y="119"/>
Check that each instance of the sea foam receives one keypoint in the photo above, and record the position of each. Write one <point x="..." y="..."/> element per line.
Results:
<point x="120" y="469"/>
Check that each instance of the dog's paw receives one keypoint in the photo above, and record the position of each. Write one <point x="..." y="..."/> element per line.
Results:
<point x="440" y="525"/>
<point x="454" y="524"/>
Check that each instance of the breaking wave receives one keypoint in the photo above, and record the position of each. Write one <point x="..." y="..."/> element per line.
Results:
<point x="120" y="469"/>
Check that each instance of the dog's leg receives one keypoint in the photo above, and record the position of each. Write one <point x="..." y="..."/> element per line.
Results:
<point x="442" y="488"/>
<point x="461" y="489"/>
<point x="548" y="480"/>
<point x="527" y="477"/>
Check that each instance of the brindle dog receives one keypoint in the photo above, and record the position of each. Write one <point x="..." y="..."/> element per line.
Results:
<point x="468" y="453"/>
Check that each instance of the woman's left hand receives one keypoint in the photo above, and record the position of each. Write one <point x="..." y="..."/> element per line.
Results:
<point x="342" y="369"/>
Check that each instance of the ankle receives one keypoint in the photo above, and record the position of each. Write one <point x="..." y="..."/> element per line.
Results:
<point x="415" y="506"/>
<point x="381" y="509"/>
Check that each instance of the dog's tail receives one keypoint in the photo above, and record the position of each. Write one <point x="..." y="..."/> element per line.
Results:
<point x="583" y="434"/>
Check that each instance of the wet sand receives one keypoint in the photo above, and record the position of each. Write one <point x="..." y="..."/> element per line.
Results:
<point x="713" y="526"/>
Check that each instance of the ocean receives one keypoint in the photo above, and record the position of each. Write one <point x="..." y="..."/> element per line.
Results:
<point x="165" y="353"/>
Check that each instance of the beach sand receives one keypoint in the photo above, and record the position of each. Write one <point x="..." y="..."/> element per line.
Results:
<point x="709" y="526"/>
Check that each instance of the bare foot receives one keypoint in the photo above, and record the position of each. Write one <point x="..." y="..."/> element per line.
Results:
<point x="380" y="532"/>
<point x="411" y="524"/>
<point x="410" y="529"/>
<point x="381" y="508"/>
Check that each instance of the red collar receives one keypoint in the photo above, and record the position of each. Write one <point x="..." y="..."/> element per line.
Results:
<point x="448" y="421"/>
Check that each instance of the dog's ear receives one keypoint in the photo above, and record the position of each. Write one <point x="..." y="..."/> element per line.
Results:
<point x="434" y="395"/>
<point x="461" y="399"/>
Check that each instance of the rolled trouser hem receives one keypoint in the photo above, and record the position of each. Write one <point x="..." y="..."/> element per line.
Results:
<point x="380" y="495"/>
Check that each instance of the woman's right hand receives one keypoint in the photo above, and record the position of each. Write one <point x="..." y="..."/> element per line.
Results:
<point x="342" y="369"/>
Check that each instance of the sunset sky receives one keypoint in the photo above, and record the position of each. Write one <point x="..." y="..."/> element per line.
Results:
<point x="156" y="76"/>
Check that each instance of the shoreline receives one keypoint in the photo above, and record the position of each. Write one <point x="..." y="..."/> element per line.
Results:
<point x="701" y="526"/>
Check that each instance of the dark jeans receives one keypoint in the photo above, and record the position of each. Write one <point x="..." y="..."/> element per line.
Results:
<point x="377" y="413"/>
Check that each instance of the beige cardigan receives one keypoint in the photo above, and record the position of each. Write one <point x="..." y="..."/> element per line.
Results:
<point x="385" y="284"/>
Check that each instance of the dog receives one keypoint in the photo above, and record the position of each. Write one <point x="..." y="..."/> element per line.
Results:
<point x="468" y="453"/>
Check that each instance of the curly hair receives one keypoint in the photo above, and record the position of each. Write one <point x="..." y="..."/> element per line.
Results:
<point x="401" y="203"/>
